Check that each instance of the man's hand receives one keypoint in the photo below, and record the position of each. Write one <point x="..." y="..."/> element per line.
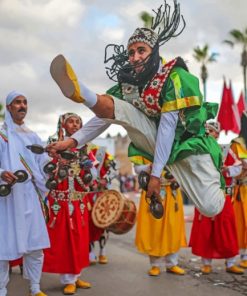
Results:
<point x="8" y="177"/>
<point x="60" y="146"/>
<point x="153" y="187"/>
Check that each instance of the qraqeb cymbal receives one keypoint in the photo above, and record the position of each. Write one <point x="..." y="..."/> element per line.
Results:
<point x="5" y="189"/>
<point x="21" y="175"/>
<point x="38" y="149"/>
<point x="155" y="206"/>
<point x="51" y="183"/>
<point x="49" y="167"/>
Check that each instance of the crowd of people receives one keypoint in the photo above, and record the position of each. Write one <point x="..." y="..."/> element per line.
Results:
<point x="161" y="107"/>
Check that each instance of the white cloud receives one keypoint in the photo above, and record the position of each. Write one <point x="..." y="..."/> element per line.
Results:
<point x="116" y="35"/>
<point x="31" y="14"/>
<point x="33" y="32"/>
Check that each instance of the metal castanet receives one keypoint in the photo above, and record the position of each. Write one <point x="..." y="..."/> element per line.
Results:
<point x="38" y="149"/>
<point x="5" y="189"/>
<point x="21" y="176"/>
<point x="87" y="178"/>
<point x="68" y="155"/>
<point x="156" y="207"/>
<point x="51" y="183"/>
<point x="155" y="204"/>
<point x="168" y="175"/>
<point x="174" y="185"/>
<point x="143" y="180"/>
<point x="49" y="167"/>
<point x="62" y="172"/>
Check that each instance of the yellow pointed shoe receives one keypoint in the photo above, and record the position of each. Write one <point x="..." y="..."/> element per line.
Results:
<point x="176" y="270"/>
<point x="154" y="271"/>
<point x="82" y="284"/>
<point x="103" y="259"/>
<point x="38" y="294"/>
<point x="66" y="79"/>
<point x="206" y="269"/>
<point x="235" y="269"/>
<point x="243" y="264"/>
<point x="69" y="289"/>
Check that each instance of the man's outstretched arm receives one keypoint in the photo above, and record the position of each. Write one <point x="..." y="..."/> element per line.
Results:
<point x="92" y="129"/>
<point x="163" y="147"/>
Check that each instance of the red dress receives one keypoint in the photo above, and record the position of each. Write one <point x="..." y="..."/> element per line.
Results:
<point x="216" y="237"/>
<point x="68" y="224"/>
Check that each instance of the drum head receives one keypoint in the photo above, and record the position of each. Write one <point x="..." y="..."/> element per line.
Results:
<point x="107" y="208"/>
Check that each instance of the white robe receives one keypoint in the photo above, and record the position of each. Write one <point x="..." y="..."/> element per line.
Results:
<point x="22" y="225"/>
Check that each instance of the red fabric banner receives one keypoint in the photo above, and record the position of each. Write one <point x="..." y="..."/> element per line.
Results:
<point x="241" y="104"/>
<point x="228" y="115"/>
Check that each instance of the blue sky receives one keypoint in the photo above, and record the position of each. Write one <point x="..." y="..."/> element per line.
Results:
<point x="33" y="32"/>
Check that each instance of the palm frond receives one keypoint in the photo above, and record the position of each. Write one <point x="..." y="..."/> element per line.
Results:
<point x="200" y="54"/>
<point x="229" y="42"/>
<point x="237" y="35"/>
<point x="197" y="57"/>
<point x="147" y="19"/>
<point x="205" y="50"/>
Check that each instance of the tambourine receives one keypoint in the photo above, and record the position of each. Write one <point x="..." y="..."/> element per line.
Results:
<point x="5" y="189"/>
<point x="155" y="205"/>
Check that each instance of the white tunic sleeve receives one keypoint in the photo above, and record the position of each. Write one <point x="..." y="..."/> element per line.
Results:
<point x="142" y="167"/>
<point x="164" y="141"/>
<point x="234" y="171"/>
<point x="92" y="129"/>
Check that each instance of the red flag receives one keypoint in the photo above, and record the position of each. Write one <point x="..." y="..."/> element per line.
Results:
<point x="228" y="115"/>
<point x="241" y="104"/>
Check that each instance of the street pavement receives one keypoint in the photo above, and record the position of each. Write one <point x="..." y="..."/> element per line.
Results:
<point x="126" y="274"/>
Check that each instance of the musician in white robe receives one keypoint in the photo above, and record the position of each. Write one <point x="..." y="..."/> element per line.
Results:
<point x="23" y="230"/>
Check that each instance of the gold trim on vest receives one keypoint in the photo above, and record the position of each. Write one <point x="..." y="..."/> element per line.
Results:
<point x="181" y="103"/>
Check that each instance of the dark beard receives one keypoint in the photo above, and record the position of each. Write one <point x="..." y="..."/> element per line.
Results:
<point x="128" y="75"/>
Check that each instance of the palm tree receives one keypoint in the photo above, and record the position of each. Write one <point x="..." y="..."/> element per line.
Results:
<point x="203" y="56"/>
<point x="239" y="37"/>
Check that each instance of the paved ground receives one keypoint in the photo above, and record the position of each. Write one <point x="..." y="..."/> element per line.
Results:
<point x="126" y="275"/>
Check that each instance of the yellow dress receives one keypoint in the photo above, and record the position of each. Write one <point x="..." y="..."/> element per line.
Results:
<point x="160" y="237"/>
<point x="240" y="196"/>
